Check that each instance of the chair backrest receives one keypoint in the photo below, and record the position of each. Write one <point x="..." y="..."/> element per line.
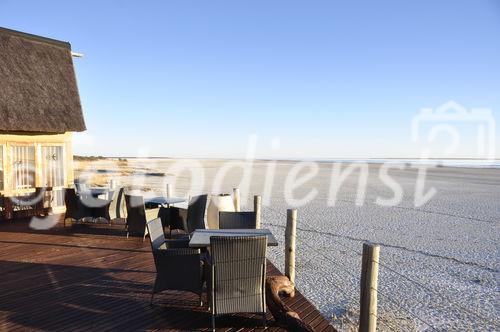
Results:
<point x="136" y="214"/>
<point x="196" y="213"/>
<point x="44" y="197"/>
<point x="237" y="220"/>
<point x="117" y="203"/>
<point x="156" y="235"/>
<point x="71" y="202"/>
<point x="80" y="185"/>
<point x="239" y="272"/>
<point x="48" y="195"/>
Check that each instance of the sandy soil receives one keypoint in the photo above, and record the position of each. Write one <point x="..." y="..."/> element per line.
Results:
<point x="439" y="262"/>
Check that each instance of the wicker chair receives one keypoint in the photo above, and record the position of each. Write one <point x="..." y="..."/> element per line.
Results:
<point x="117" y="205"/>
<point x="5" y="207"/>
<point x="188" y="220"/>
<point x="2" y="207"/>
<point x="177" y="267"/>
<point x="196" y="213"/>
<point x="136" y="216"/>
<point x="238" y="275"/>
<point x="237" y="220"/>
<point x="173" y="218"/>
<point x="75" y="209"/>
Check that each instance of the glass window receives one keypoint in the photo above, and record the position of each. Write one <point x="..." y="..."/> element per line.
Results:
<point x="53" y="172"/>
<point x="23" y="168"/>
<point x="52" y="166"/>
<point x="1" y="167"/>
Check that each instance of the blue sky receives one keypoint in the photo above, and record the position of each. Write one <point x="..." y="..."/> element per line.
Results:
<point x="320" y="79"/>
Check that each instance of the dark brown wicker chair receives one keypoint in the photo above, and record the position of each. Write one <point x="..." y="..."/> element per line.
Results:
<point x="75" y="209"/>
<point x="238" y="275"/>
<point x="196" y="213"/>
<point x="177" y="268"/>
<point x="117" y="206"/>
<point x="237" y="220"/>
<point x="3" y="207"/>
<point x="136" y="216"/>
<point x="173" y="218"/>
<point x="188" y="220"/>
<point x="31" y="204"/>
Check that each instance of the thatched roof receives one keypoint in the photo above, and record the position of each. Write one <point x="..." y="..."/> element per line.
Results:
<point x="38" y="91"/>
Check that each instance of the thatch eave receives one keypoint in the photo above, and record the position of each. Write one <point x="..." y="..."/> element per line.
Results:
<point x="38" y="88"/>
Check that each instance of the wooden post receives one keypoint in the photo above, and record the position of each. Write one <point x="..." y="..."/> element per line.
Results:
<point x="256" y="209"/>
<point x="169" y="193"/>
<point x="368" y="289"/>
<point x="39" y="166"/>
<point x="290" y="235"/>
<point x="236" y="199"/>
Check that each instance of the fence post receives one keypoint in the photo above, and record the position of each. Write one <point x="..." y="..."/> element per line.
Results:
<point x="368" y="288"/>
<point x="290" y="235"/>
<point x="256" y="209"/>
<point x="236" y="199"/>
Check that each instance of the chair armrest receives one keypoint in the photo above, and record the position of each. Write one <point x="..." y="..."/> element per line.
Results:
<point x="177" y="256"/>
<point x="184" y="260"/>
<point x="177" y="243"/>
<point x="152" y="214"/>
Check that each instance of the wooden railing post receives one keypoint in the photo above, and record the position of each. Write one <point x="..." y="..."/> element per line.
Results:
<point x="236" y="199"/>
<point x="290" y="236"/>
<point x="368" y="289"/>
<point x="257" y="209"/>
<point x="169" y="193"/>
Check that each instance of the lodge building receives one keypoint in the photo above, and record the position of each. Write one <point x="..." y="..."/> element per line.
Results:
<point x="39" y="109"/>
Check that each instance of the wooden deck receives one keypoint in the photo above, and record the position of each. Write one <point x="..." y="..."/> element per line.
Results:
<point x="93" y="278"/>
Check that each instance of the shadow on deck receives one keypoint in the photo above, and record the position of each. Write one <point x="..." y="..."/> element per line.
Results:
<point x="93" y="278"/>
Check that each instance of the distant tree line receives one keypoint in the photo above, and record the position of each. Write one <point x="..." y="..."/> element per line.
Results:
<point x="93" y="158"/>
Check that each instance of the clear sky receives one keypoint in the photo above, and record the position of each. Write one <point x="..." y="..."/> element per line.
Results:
<point x="312" y="79"/>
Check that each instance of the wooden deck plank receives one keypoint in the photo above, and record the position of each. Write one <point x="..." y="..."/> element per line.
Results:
<point x="94" y="278"/>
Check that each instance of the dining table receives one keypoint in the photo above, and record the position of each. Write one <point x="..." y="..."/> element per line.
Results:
<point x="201" y="237"/>
<point x="95" y="191"/>
<point x="154" y="202"/>
<point x="96" y="207"/>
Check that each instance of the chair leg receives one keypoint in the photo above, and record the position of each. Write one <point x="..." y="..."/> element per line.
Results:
<point x="127" y="235"/>
<point x="201" y="301"/>
<point x="213" y="322"/>
<point x="264" y="322"/>
<point x="152" y="295"/>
